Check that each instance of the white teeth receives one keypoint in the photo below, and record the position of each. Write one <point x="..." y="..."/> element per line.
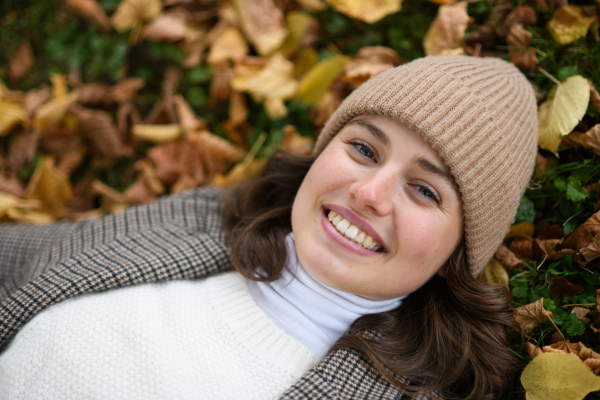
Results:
<point x="352" y="231"/>
<point x="343" y="225"/>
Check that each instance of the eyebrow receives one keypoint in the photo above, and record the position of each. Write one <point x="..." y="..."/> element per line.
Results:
<point x="375" y="131"/>
<point x="434" y="169"/>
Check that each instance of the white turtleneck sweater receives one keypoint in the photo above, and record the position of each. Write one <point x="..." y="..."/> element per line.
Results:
<point x="181" y="339"/>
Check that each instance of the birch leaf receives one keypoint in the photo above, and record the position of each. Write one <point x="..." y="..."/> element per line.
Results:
<point x="568" y="24"/>
<point x="563" y="109"/>
<point x="556" y="376"/>
<point x="317" y="80"/>
<point x="367" y="10"/>
<point x="134" y="13"/>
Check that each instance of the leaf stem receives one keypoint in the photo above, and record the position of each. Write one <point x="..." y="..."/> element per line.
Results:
<point x="550" y="318"/>
<point x="553" y="79"/>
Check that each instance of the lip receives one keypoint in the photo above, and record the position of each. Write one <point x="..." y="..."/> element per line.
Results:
<point x="354" y="220"/>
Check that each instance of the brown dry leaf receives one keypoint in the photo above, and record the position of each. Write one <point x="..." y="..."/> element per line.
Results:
<point x="274" y="84"/>
<point x="447" y="30"/>
<point x="112" y="201"/>
<point x="585" y="354"/>
<point x="592" y="250"/>
<point x="22" y="150"/>
<point x="99" y="128"/>
<point x="12" y="114"/>
<point x="91" y="10"/>
<point x="312" y="5"/>
<point x="157" y="133"/>
<point x="590" y="139"/>
<point x="523" y="56"/>
<point x="126" y="90"/>
<point x="370" y="61"/>
<point x="294" y="143"/>
<point x="584" y="234"/>
<point x="238" y="110"/>
<point x="533" y="350"/>
<point x="507" y="258"/>
<point x="52" y="113"/>
<point x="523" y="15"/>
<point x="150" y="178"/>
<point x="12" y="185"/>
<point x="262" y="22"/>
<point x="569" y="24"/>
<point x="494" y="274"/>
<point x="176" y="161"/>
<point x="51" y="187"/>
<point x="70" y="162"/>
<point x="229" y="45"/>
<point x="580" y="312"/>
<point x="218" y="148"/>
<point x="367" y="10"/>
<point x="240" y="172"/>
<point x="220" y="87"/>
<point x="531" y="315"/>
<point x="561" y="287"/>
<point x="594" y="97"/>
<point x="132" y="14"/>
<point x="552" y="376"/>
<point x="21" y="62"/>
<point x="96" y="95"/>
<point x="187" y="118"/>
<point x="171" y="27"/>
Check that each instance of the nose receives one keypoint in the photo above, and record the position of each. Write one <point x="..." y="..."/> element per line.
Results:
<point x="374" y="192"/>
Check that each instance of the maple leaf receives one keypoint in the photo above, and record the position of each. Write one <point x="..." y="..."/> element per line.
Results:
<point x="367" y="10"/>
<point x="447" y="30"/>
<point x="555" y="376"/>
<point x="532" y="314"/>
<point x="565" y="106"/>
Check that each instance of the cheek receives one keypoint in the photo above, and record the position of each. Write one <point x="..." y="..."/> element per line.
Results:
<point x="430" y="237"/>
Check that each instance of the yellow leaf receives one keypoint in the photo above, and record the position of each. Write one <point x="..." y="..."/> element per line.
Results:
<point x="447" y="30"/>
<point x="53" y="112"/>
<point x="229" y="45"/>
<point x="316" y="82"/>
<point x="51" y="187"/>
<point x="274" y="83"/>
<point x="306" y="59"/>
<point x="12" y="113"/>
<point x="297" y="24"/>
<point x="157" y="133"/>
<point x="134" y="13"/>
<point x="559" y="114"/>
<point x="314" y="5"/>
<point x="238" y="173"/>
<point x="262" y="22"/>
<point x="556" y="376"/>
<point x="59" y="86"/>
<point x="568" y="24"/>
<point x="494" y="274"/>
<point x="522" y="229"/>
<point x="367" y="10"/>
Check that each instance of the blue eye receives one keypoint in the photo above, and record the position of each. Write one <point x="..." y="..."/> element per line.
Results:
<point x="426" y="192"/>
<point x="364" y="150"/>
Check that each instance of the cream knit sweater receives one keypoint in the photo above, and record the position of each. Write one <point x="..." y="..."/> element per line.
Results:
<point x="174" y="340"/>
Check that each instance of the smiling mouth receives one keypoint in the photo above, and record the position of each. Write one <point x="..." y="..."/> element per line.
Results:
<point x="353" y="233"/>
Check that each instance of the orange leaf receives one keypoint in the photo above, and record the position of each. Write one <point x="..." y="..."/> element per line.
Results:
<point x="367" y="10"/>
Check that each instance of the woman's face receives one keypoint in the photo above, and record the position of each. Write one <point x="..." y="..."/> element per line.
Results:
<point x="385" y="187"/>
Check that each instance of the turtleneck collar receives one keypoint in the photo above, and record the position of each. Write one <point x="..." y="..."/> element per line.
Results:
<point x="306" y="309"/>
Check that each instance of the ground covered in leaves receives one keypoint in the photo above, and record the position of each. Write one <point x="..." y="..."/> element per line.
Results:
<point x="109" y="103"/>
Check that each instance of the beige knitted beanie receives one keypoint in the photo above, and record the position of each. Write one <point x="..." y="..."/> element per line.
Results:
<point x="480" y="115"/>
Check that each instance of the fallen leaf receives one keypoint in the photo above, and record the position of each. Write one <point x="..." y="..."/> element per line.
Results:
<point x="238" y="110"/>
<point x="507" y="258"/>
<point x="533" y="350"/>
<point x="132" y="14"/>
<point x="51" y="187"/>
<point x="176" y="160"/>
<point x="22" y="150"/>
<point x="589" y="139"/>
<point x="262" y="22"/>
<point x="580" y="312"/>
<point x="561" y="287"/>
<point x="569" y="24"/>
<point x="21" y="62"/>
<point x="367" y="10"/>
<point x="60" y="88"/>
<point x="99" y="128"/>
<point x="126" y="90"/>
<point x="91" y="10"/>
<point x="294" y="143"/>
<point x="15" y="209"/>
<point x="52" y="113"/>
<point x="565" y="106"/>
<point x="531" y="315"/>
<point x="594" y="97"/>
<point x="312" y="5"/>
<point x="187" y="118"/>
<point x="520" y="53"/>
<point x="553" y="376"/>
<point x="273" y="84"/>
<point x="370" y="61"/>
<point x="229" y="45"/>
<point x="298" y="24"/>
<point x="591" y="251"/>
<point x="157" y="133"/>
<point x="494" y="274"/>
<point x="218" y="147"/>
<point x="12" y="185"/>
<point x="522" y="229"/>
<point x="446" y="32"/>
<point x="96" y="95"/>
<point x="317" y="81"/>
<point x="36" y="98"/>
<point x="238" y="173"/>
<point x="12" y="114"/>
<point x="443" y="2"/>
<point x="523" y="15"/>
<point x="585" y="354"/>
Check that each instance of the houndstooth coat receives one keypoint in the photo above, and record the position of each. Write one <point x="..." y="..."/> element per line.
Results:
<point x="177" y="237"/>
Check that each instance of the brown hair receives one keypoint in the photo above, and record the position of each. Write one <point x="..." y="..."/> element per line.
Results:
<point x="450" y="336"/>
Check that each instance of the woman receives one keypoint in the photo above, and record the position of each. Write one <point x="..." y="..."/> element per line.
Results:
<point x="372" y="247"/>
